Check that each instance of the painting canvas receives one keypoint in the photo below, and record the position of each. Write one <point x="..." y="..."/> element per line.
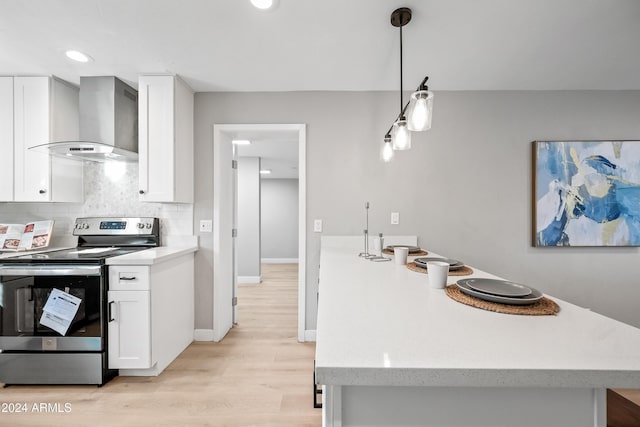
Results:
<point x="586" y="193"/>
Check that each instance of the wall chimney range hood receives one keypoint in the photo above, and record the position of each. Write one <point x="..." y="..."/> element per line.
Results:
<point x="108" y="123"/>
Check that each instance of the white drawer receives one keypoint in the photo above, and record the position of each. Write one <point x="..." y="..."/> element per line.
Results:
<point x="128" y="278"/>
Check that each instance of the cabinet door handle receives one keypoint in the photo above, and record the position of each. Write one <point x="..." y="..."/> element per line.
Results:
<point x="111" y="312"/>
<point x="128" y="278"/>
<point x="42" y="191"/>
<point x="141" y="191"/>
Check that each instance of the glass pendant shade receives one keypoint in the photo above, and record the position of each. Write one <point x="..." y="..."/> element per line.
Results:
<point x="420" y="110"/>
<point x="386" y="154"/>
<point x="400" y="135"/>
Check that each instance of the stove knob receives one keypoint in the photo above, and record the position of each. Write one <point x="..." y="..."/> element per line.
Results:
<point x="85" y="226"/>
<point x="149" y="225"/>
<point x="140" y="225"/>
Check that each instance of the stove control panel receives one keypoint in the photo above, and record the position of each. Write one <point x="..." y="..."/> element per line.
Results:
<point x="116" y="226"/>
<point x="113" y="225"/>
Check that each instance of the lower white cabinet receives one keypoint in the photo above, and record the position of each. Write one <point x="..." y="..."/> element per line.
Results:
<point x="129" y="329"/>
<point x="151" y="315"/>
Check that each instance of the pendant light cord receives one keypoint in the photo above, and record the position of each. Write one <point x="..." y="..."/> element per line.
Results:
<point x="401" y="99"/>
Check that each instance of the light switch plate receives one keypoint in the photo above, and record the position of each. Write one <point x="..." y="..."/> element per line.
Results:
<point x="206" y="226"/>
<point x="395" y="218"/>
<point x="317" y="226"/>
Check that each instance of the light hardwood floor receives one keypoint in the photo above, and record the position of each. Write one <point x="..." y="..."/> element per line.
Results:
<point x="258" y="375"/>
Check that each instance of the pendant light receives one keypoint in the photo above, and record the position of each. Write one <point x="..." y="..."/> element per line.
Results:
<point x="419" y="108"/>
<point x="386" y="154"/>
<point x="400" y="134"/>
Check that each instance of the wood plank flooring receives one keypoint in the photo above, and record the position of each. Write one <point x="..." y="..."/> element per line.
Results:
<point x="259" y="375"/>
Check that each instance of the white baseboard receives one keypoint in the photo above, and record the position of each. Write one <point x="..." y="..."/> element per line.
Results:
<point x="207" y="335"/>
<point x="279" y="260"/>
<point x="310" y="335"/>
<point x="203" y="335"/>
<point x="249" y="279"/>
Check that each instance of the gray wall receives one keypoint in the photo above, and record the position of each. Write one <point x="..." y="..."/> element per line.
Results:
<point x="248" y="216"/>
<point x="465" y="187"/>
<point x="279" y="218"/>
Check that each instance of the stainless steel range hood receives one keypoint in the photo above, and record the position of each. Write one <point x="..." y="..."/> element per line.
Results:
<point x="108" y="123"/>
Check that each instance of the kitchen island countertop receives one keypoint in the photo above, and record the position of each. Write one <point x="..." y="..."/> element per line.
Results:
<point x="383" y="332"/>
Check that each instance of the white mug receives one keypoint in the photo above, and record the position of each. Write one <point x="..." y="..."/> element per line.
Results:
<point x="437" y="272"/>
<point x="377" y="245"/>
<point x="400" y="253"/>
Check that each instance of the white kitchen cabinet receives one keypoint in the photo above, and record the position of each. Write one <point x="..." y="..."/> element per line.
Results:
<point x="129" y="329"/>
<point x="45" y="109"/>
<point x="165" y="139"/>
<point x="6" y="138"/>
<point x="151" y="315"/>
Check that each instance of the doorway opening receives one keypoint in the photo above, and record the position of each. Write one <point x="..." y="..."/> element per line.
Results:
<point x="270" y="150"/>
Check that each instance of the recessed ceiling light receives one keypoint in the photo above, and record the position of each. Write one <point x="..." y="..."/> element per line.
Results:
<point x="265" y="171"/>
<point x="264" y="4"/>
<point x="78" y="56"/>
<point x="241" y="142"/>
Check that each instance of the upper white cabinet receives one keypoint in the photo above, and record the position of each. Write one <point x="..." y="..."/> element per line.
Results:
<point x="6" y="138"/>
<point x="165" y="109"/>
<point x="45" y="109"/>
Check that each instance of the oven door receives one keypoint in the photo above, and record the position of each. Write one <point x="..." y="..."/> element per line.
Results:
<point x="24" y="292"/>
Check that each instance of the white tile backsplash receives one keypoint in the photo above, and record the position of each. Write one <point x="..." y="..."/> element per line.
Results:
<point x="108" y="191"/>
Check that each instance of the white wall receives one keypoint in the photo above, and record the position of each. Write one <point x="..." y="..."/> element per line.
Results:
<point x="465" y="187"/>
<point x="248" y="241"/>
<point x="279" y="219"/>
<point x="110" y="189"/>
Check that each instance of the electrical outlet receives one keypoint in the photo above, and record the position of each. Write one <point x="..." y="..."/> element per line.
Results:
<point x="317" y="226"/>
<point x="395" y="218"/>
<point x="206" y="226"/>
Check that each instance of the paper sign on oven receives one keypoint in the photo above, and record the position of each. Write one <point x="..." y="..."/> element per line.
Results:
<point x="59" y="311"/>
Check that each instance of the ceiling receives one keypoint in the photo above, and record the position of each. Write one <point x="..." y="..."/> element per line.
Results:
<point x="227" y="45"/>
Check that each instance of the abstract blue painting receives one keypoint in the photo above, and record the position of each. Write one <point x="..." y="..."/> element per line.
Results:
<point x="587" y="193"/>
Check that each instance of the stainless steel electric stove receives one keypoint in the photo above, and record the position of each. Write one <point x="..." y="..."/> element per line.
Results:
<point x="39" y="345"/>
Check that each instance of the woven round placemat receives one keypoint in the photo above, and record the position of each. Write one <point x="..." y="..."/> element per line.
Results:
<point x="464" y="271"/>
<point x="421" y="253"/>
<point x="540" y="308"/>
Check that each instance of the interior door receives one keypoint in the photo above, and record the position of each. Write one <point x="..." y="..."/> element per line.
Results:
<point x="223" y="265"/>
<point x="234" y="250"/>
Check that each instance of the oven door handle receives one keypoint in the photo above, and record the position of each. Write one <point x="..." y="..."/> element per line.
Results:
<point x="111" y="312"/>
<point x="50" y="270"/>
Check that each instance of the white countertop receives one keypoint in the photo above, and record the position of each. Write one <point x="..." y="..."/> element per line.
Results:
<point x="153" y="255"/>
<point x="380" y="324"/>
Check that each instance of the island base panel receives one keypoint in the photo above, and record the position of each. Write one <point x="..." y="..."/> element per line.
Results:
<point x="471" y="406"/>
